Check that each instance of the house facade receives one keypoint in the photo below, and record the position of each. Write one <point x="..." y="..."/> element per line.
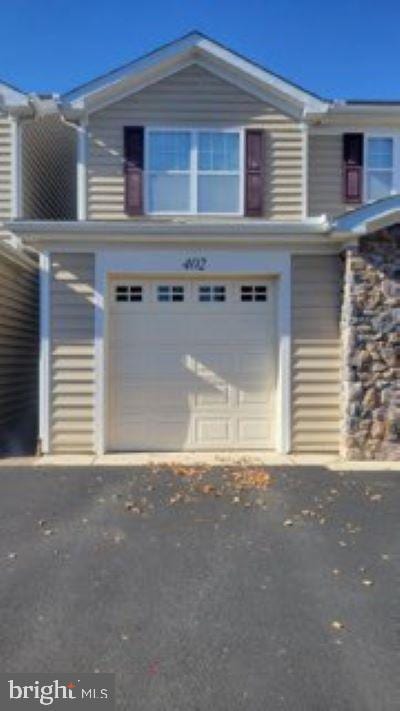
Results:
<point x="221" y="271"/>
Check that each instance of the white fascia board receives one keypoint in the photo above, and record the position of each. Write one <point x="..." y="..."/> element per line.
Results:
<point x="136" y="67"/>
<point x="280" y="85"/>
<point x="337" y="109"/>
<point x="312" y="225"/>
<point x="369" y="217"/>
<point x="148" y="69"/>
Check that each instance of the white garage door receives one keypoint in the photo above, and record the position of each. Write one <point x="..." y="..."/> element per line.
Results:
<point x="191" y="365"/>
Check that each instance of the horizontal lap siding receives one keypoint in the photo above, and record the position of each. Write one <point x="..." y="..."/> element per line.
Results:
<point x="18" y="349"/>
<point x="72" y="353"/>
<point x="5" y="173"/>
<point x="325" y="184"/>
<point x="316" y="379"/>
<point x="194" y="96"/>
<point x="49" y="169"/>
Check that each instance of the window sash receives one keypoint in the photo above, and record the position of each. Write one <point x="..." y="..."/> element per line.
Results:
<point x="393" y="171"/>
<point x="194" y="173"/>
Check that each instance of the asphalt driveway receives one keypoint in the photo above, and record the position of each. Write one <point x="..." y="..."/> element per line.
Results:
<point x="222" y="590"/>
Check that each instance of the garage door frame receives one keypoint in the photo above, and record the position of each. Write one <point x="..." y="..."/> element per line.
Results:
<point x="159" y="263"/>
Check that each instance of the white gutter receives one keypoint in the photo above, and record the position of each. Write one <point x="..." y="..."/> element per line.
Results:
<point x="318" y="225"/>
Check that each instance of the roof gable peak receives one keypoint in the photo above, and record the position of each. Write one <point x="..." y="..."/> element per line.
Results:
<point x="195" y="47"/>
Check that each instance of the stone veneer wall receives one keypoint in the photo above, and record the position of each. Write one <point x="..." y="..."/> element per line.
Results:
<point x="371" y="333"/>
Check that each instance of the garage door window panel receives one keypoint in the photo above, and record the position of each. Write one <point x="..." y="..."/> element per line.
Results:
<point x="208" y="294"/>
<point x="170" y="293"/>
<point x="253" y="293"/>
<point x="128" y="293"/>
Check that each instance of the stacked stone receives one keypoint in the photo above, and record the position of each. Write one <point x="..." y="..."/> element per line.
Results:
<point x="371" y="331"/>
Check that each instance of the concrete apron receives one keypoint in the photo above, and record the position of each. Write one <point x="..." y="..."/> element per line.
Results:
<point x="217" y="459"/>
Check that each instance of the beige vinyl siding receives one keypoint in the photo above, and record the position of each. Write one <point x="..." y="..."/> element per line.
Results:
<point x="325" y="189"/>
<point x="48" y="169"/>
<point x="5" y="173"/>
<point x="18" y="351"/>
<point x="194" y="96"/>
<point x="72" y="352"/>
<point x="316" y="353"/>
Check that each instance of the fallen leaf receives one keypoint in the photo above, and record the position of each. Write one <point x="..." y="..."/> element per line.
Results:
<point x="385" y="556"/>
<point x="288" y="522"/>
<point x="337" y="625"/>
<point x="207" y="489"/>
<point x="176" y="497"/>
<point x="12" y="556"/>
<point x="250" y="479"/>
<point x="367" y="583"/>
<point x="375" y="497"/>
<point x="336" y="571"/>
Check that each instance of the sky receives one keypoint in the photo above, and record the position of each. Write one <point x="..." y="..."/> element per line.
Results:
<point x="337" y="49"/>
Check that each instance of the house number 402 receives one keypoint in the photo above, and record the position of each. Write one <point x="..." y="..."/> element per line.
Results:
<point x="195" y="264"/>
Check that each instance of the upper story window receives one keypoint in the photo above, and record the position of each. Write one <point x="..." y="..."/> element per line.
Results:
<point x="194" y="172"/>
<point x="382" y="179"/>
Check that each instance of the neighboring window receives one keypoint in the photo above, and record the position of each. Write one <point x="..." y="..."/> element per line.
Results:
<point x="254" y="293"/>
<point x="170" y="293"/>
<point x="211" y="293"/>
<point x="128" y="293"/>
<point x="380" y="167"/>
<point x="193" y="172"/>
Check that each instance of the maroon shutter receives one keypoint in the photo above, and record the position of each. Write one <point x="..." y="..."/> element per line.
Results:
<point x="254" y="200"/>
<point x="353" y="145"/>
<point x="134" y="164"/>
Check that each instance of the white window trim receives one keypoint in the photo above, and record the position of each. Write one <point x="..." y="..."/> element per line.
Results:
<point x="194" y="131"/>
<point x="381" y="133"/>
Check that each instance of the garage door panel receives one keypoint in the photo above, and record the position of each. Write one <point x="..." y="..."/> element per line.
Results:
<point x="214" y="430"/>
<point x="253" y="430"/>
<point x="191" y="375"/>
<point x="150" y="434"/>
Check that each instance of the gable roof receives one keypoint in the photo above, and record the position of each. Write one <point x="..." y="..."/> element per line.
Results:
<point x="194" y="48"/>
<point x="11" y="97"/>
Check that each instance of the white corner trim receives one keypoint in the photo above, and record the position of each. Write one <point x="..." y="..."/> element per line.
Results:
<point x="305" y="169"/>
<point x="44" y="360"/>
<point x="16" y="169"/>
<point x="100" y="340"/>
<point x="82" y="151"/>
<point x="284" y="318"/>
<point x="222" y="263"/>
